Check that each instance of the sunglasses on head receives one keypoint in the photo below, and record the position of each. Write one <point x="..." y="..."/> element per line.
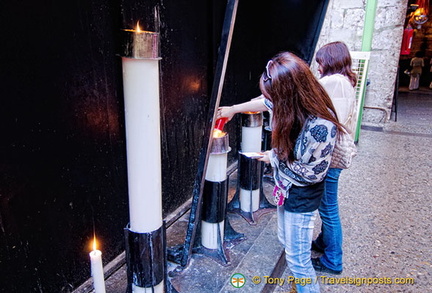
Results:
<point x="266" y="75"/>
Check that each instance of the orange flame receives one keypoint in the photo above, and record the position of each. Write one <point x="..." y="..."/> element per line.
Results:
<point x="94" y="242"/>
<point x="218" y="133"/>
<point x="138" y="29"/>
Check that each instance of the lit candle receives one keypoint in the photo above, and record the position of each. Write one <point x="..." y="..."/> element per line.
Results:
<point x="215" y="192"/>
<point x="141" y="95"/>
<point x="140" y="62"/>
<point x="97" y="269"/>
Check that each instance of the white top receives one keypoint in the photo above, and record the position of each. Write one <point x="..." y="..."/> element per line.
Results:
<point x="342" y="94"/>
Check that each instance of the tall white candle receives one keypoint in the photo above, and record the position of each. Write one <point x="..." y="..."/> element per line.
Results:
<point x="97" y="269"/>
<point x="141" y="96"/>
<point x="251" y="139"/>
<point x="141" y="91"/>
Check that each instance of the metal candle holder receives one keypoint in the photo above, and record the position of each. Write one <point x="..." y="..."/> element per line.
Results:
<point x="249" y="200"/>
<point x="140" y="44"/>
<point x="215" y="227"/>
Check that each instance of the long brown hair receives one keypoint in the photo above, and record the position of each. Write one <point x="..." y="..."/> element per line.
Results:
<point x="335" y="58"/>
<point x="296" y="94"/>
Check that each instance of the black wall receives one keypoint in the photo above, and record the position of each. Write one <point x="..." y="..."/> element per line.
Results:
<point x="62" y="152"/>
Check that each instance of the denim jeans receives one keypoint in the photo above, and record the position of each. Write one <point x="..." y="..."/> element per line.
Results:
<point x="330" y="238"/>
<point x="295" y="231"/>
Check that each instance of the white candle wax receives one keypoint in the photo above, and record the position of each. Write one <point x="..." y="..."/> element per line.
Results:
<point x="245" y="200"/>
<point x="251" y="139"/>
<point x="217" y="167"/>
<point x="141" y="92"/>
<point x="97" y="271"/>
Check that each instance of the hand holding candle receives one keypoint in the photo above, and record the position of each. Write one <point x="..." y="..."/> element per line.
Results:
<point x="97" y="269"/>
<point x="220" y="123"/>
<point x="226" y="112"/>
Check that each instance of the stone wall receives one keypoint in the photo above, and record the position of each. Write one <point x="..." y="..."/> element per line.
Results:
<point x="344" y="22"/>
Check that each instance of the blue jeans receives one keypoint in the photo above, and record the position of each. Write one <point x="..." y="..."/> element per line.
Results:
<point x="330" y="238"/>
<point x="295" y="232"/>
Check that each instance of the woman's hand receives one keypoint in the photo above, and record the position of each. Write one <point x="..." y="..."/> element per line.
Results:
<point x="265" y="158"/>
<point x="227" y="112"/>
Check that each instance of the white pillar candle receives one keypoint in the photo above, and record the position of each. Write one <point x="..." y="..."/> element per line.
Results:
<point x="141" y="92"/>
<point x="97" y="269"/>
<point x="217" y="167"/>
<point x="251" y="139"/>
<point x="142" y="122"/>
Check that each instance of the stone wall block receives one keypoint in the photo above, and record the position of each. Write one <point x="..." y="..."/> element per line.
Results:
<point x="389" y="16"/>
<point x="354" y="18"/>
<point x="349" y="3"/>
<point x="337" y="19"/>
<point x="395" y="3"/>
<point x="389" y="39"/>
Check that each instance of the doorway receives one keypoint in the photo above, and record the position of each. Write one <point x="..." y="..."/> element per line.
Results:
<point x="414" y="106"/>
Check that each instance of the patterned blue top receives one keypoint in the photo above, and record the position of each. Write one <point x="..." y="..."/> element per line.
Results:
<point x="312" y="155"/>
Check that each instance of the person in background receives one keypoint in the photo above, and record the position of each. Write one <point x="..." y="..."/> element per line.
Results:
<point x="304" y="130"/>
<point x="338" y="79"/>
<point x="417" y="64"/>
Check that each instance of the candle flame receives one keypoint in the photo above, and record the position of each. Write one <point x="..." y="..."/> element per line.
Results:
<point x="138" y="29"/>
<point x="218" y="133"/>
<point x="94" y="242"/>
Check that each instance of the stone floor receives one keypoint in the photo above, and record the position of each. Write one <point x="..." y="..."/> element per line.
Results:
<point x="385" y="205"/>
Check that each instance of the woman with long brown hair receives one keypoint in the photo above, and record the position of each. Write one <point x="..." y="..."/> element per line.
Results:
<point x="304" y="130"/>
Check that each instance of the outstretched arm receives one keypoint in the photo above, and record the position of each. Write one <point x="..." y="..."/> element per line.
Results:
<point x="254" y="105"/>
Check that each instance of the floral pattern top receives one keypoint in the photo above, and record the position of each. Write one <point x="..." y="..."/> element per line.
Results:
<point x="312" y="153"/>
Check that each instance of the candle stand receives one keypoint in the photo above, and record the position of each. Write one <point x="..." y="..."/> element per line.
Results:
<point x="145" y="234"/>
<point x="249" y="199"/>
<point x="215" y="228"/>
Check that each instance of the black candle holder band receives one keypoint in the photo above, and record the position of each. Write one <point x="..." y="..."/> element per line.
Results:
<point x="215" y="197"/>
<point x="249" y="173"/>
<point x="145" y="258"/>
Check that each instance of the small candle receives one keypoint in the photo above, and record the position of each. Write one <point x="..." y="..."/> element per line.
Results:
<point x="97" y="269"/>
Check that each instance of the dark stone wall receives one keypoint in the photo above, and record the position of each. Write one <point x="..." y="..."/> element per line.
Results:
<point x="62" y="152"/>
<point x="62" y="166"/>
